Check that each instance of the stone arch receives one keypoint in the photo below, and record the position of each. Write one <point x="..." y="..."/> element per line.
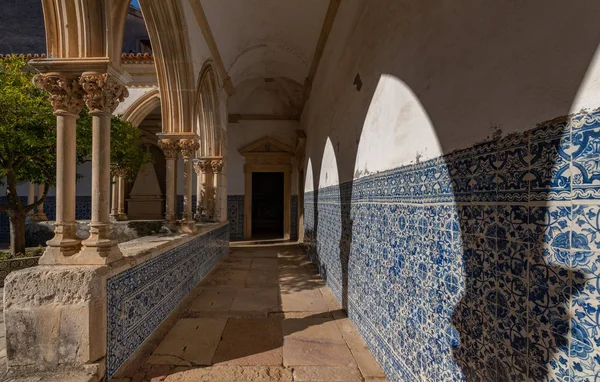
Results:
<point x="141" y="107"/>
<point x="207" y="112"/>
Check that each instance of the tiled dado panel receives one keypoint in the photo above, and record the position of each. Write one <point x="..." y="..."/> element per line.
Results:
<point x="480" y="265"/>
<point x="83" y="211"/>
<point x="235" y="215"/>
<point x="140" y="298"/>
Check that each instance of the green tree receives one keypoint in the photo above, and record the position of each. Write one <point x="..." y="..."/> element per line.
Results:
<point x="28" y="143"/>
<point x="126" y="154"/>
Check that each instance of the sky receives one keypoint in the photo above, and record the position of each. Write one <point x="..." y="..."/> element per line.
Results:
<point x="135" y="3"/>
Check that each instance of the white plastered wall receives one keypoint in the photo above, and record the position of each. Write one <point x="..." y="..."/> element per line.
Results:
<point x="438" y="79"/>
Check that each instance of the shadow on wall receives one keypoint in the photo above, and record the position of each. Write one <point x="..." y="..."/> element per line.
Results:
<point x="481" y="264"/>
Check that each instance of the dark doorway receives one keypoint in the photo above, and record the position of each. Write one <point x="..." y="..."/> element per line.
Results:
<point x="267" y="205"/>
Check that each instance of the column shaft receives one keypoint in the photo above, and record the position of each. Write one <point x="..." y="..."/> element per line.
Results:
<point x="114" y="209"/>
<point x="65" y="242"/>
<point x="40" y="215"/>
<point x="102" y="95"/>
<point x="121" y="200"/>
<point x="99" y="247"/>
<point x="171" y="191"/>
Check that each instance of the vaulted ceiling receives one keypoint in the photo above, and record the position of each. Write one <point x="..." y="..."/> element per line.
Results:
<point x="267" y="48"/>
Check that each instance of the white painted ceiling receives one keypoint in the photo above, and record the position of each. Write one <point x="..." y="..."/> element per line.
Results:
<point x="260" y="39"/>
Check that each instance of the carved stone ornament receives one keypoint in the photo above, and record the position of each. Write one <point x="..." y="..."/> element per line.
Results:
<point x="188" y="148"/>
<point x="169" y="147"/>
<point x="202" y="166"/>
<point x="102" y="92"/>
<point x="216" y="165"/>
<point x="66" y="95"/>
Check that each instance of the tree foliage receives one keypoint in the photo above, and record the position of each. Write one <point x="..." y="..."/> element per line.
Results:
<point x="126" y="154"/>
<point x="28" y="142"/>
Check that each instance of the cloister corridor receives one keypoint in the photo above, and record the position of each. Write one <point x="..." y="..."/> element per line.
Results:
<point x="262" y="314"/>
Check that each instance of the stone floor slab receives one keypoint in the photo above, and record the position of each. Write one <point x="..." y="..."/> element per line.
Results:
<point x="326" y="374"/>
<point x="254" y="321"/>
<point x="192" y="341"/>
<point x="235" y="262"/>
<point x="217" y="299"/>
<point x="310" y="300"/>
<point x="230" y="277"/>
<point x="256" y="300"/>
<point x="250" y="342"/>
<point x="232" y="374"/>
<point x="264" y="263"/>
<point x="314" y="341"/>
<point x="261" y="278"/>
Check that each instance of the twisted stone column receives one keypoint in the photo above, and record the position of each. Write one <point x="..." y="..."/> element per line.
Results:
<point x="170" y="149"/>
<point x="216" y="167"/>
<point x="66" y="96"/>
<point x="102" y="95"/>
<point x="188" y="151"/>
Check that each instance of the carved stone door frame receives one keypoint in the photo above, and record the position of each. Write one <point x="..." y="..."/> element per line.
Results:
<point x="267" y="155"/>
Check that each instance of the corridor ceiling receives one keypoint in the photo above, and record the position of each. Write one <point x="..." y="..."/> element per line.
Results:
<point x="266" y="46"/>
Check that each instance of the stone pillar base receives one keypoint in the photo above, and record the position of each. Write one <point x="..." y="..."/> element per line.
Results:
<point x="98" y="248"/>
<point x="63" y="245"/>
<point x="187" y="226"/>
<point x="122" y="217"/>
<point x="55" y="319"/>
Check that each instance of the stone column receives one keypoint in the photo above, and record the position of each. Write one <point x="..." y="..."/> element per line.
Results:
<point x="114" y="212"/>
<point x="170" y="148"/>
<point x="198" y="171"/>
<point x="202" y="167"/>
<point x="66" y="97"/>
<point x="30" y="200"/>
<point x="121" y="215"/>
<point x="40" y="215"/>
<point x="216" y="167"/>
<point x="102" y="95"/>
<point x="188" y="152"/>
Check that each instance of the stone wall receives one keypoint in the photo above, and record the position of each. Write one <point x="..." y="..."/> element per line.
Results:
<point x="482" y="263"/>
<point x="140" y="298"/>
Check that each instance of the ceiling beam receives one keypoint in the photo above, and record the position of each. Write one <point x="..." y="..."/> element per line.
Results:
<point x="212" y="45"/>
<point x="323" y="37"/>
<point x="235" y="118"/>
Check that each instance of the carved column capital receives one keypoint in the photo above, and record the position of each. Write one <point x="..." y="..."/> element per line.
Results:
<point x="102" y="92"/>
<point x="202" y="166"/>
<point x="66" y="94"/>
<point x="188" y="147"/>
<point x="216" y="165"/>
<point x="169" y="147"/>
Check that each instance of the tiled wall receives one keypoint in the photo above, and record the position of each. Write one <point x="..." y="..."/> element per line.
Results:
<point x="83" y="211"/>
<point x="480" y="265"/>
<point x="235" y="215"/>
<point x="140" y="298"/>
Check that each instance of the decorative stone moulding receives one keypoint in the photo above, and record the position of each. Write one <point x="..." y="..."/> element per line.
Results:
<point x="103" y="92"/>
<point x="216" y="165"/>
<point x="169" y="147"/>
<point x="188" y="147"/>
<point x="66" y="94"/>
